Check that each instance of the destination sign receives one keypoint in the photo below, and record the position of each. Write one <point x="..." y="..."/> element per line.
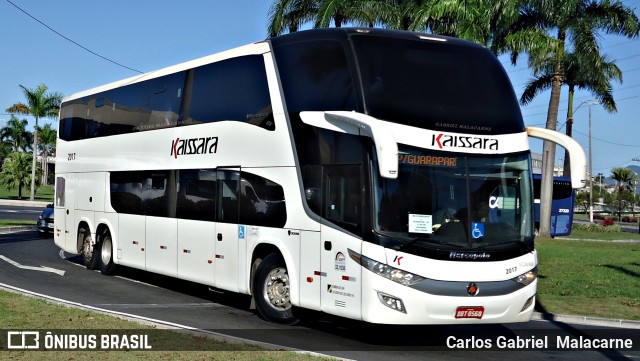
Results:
<point x="428" y="160"/>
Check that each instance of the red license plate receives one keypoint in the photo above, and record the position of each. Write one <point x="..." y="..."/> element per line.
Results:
<point x="470" y="312"/>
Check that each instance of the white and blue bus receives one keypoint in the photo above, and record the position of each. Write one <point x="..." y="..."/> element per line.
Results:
<point x="562" y="202"/>
<point x="378" y="175"/>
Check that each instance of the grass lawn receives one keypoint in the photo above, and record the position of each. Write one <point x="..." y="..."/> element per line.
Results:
<point x="43" y="193"/>
<point x="589" y="278"/>
<point x="26" y="313"/>
<point x="18" y="222"/>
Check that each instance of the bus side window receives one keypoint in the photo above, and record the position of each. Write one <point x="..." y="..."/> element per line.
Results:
<point x="228" y="184"/>
<point x="262" y="202"/>
<point x="343" y="196"/>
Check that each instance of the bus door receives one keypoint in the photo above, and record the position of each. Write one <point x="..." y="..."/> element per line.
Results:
<point x="228" y="232"/>
<point x="64" y="212"/>
<point x="342" y="225"/>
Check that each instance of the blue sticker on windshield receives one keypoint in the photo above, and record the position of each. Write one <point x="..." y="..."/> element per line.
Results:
<point x="477" y="230"/>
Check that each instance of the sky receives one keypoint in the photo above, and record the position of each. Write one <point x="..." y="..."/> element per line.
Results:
<point x="145" y="35"/>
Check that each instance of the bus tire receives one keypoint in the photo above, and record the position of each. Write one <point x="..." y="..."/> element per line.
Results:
<point x="271" y="291"/>
<point x="106" y="265"/>
<point x="89" y="254"/>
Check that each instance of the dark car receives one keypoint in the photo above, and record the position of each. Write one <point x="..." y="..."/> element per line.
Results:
<point x="45" y="221"/>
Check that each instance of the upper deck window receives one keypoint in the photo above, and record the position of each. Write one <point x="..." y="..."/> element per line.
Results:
<point x="315" y="76"/>
<point x="436" y="85"/>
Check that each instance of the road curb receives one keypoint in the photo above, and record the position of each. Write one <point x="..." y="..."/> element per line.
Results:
<point x="11" y="229"/>
<point x="586" y="320"/>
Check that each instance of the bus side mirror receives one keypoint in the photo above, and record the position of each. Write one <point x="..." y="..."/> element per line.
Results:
<point x="362" y="125"/>
<point x="576" y="153"/>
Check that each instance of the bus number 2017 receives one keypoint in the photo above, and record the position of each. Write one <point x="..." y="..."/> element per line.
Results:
<point x="511" y="270"/>
<point x="71" y="156"/>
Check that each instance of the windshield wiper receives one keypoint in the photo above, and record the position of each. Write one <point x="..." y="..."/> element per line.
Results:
<point x="501" y="244"/>
<point x="434" y="241"/>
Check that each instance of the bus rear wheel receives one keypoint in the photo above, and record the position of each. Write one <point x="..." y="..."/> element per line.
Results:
<point x="106" y="265"/>
<point x="89" y="254"/>
<point x="272" y="289"/>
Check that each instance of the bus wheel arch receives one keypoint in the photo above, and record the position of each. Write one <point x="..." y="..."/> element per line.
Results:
<point x="87" y="246"/>
<point x="271" y="286"/>
<point x="105" y="248"/>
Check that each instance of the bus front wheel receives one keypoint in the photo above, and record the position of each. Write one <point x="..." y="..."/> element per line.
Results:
<point x="271" y="291"/>
<point x="106" y="254"/>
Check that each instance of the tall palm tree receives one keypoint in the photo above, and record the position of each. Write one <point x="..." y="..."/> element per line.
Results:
<point x="15" y="133"/>
<point x="289" y="15"/>
<point x="545" y="30"/>
<point x="47" y="140"/>
<point x="475" y="20"/>
<point x="625" y="178"/>
<point x="582" y="73"/>
<point x="15" y="171"/>
<point x="39" y="104"/>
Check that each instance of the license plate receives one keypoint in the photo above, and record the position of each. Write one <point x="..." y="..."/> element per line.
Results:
<point x="470" y="312"/>
<point x="51" y="225"/>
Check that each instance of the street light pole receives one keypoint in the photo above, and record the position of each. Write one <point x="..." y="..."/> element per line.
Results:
<point x="590" y="103"/>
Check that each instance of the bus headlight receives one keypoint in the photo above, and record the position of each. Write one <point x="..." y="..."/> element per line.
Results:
<point x="386" y="271"/>
<point x="528" y="277"/>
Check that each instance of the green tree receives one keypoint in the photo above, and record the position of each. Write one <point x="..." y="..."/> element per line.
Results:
<point x="625" y="178"/>
<point x="47" y="139"/>
<point x="594" y="75"/>
<point x="39" y="104"/>
<point x="16" y="170"/>
<point x="545" y="30"/>
<point x="289" y="15"/>
<point x="481" y="21"/>
<point x="15" y="134"/>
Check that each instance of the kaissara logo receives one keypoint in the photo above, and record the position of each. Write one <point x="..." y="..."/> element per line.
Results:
<point x="463" y="141"/>
<point x="190" y="146"/>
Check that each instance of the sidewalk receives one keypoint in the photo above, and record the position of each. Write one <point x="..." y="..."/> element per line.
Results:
<point x="23" y="203"/>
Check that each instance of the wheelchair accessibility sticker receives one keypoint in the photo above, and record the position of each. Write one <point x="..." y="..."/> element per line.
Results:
<point x="477" y="230"/>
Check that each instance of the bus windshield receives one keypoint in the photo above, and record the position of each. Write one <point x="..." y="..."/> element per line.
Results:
<point x="437" y="85"/>
<point x="456" y="201"/>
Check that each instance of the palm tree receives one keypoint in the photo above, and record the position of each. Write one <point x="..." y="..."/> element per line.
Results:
<point x="582" y="73"/>
<point x="576" y="24"/>
<point x="481" y="21"/>
<point x="47" y="139"/>
<point x="625" y="178"/>
<point x="39" y="104"/>
<point x="15" y="133"/>
<point x="289" y="15"/>
<point x="15" y="171"/>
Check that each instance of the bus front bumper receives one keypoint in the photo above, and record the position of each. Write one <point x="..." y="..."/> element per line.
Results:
<point x="387" y="302"/>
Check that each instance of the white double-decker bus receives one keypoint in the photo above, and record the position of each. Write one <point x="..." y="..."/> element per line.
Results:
<point x="378" y="175"/>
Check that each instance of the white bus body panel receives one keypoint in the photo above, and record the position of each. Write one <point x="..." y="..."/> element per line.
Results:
<point x="131" y="243"/>
<point x="197" y="251"/>
<point x="91" y="191"/>
<point x="226" y="263"/>
<point x="161" y="254"/>
<point x="310" y="275"/>
<point x="66" y="233"/>
<point x="341" y="286"/>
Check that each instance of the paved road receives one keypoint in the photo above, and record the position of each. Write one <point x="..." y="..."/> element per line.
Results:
<point x="20" y="213"/>
<point x="166" y="299"/>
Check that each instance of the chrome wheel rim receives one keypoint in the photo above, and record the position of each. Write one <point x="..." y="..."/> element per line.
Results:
<point x="106" y="250"/>
<point x="277" y="289"/>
